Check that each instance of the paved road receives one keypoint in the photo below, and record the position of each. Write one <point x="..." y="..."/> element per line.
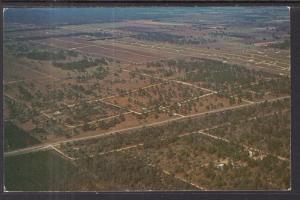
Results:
<point x="46" y="145"/>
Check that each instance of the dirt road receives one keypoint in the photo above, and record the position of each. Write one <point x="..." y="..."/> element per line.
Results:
<point x="46" y="145"/>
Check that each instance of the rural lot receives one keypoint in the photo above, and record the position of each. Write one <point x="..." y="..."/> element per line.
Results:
<point x="130" y="99"/>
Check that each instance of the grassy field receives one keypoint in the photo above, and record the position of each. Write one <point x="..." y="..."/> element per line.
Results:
<point x="40" y="171"/>
<point x="16" y="138"/>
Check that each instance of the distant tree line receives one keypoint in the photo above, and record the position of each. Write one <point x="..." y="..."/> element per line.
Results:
<point x="281" y="45"/>
<point x="40" y="37"/>
<point x="80" y="65"/>
<point x="171" y="38"/>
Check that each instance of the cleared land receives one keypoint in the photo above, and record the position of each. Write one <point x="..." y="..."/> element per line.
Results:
<point x="108" y="106"/>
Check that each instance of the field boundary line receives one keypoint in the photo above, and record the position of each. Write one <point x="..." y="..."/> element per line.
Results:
<point x="184" y="83"/>
<point x="99" y="45"/>
<point x="104" y="48"/>
<point x="120" y="107"/>
<point x="28" y="106"/>
<point x="176" y="177"/>
<point x="201" y="131"/>
<point x="113" y="96"/>
<point x="143" y="126"/>
<point x="61" y="153"/>
<point x="169" y="80"/>
<point x="245" y="147"/>
<point x="220" y="55"/>
<point x="117" y="150"/>
<point x="97" y="120"/>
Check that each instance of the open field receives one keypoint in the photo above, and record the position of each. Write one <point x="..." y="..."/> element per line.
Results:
<point x="31" y="172"/>
<point x="108" y="105"/>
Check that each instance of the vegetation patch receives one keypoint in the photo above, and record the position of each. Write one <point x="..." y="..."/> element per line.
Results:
<point x="34" y="52"/>
<point x="16" y="138"/>
<point x="171" y="38"/>
<point x="132" y="173"/>
<point x="281" y="45"/>
<point x="46" y="55"/>
<point x="41" y="171"/>
<point x="80" y="65"/>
